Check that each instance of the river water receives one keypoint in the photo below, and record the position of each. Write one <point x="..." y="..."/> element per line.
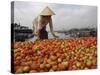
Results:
<point x="50" y="36"/>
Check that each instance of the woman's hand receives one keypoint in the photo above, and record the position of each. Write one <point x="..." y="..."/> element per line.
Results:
<point x="55" y="36"/>
<point x="36" y="33"/>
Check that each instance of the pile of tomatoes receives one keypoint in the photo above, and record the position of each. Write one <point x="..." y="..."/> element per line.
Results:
<point x="55" y="55"/>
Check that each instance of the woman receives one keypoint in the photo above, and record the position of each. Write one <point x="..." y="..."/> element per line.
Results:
<point x="40" y="22"/>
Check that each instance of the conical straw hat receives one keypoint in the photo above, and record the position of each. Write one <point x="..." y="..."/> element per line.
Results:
<point x="47" y="11"/>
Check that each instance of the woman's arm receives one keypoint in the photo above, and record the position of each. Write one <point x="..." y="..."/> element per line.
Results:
<point x="51" y="28"/>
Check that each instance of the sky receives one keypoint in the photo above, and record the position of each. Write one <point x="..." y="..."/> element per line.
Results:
<point x="67" y="15"/>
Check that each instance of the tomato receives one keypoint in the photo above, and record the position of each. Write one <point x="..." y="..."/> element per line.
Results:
<point x="55" y="55"/>
<point x="26" y="69"/>
<point x="19" y="70"/>
<point x="32" y="71"/>
<point x="54" y="67"/>
<point x="34" y="66"/>
<point x="51" y="70"/>
<point x="47" y="66"/>
<point x="61" y="66"/>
